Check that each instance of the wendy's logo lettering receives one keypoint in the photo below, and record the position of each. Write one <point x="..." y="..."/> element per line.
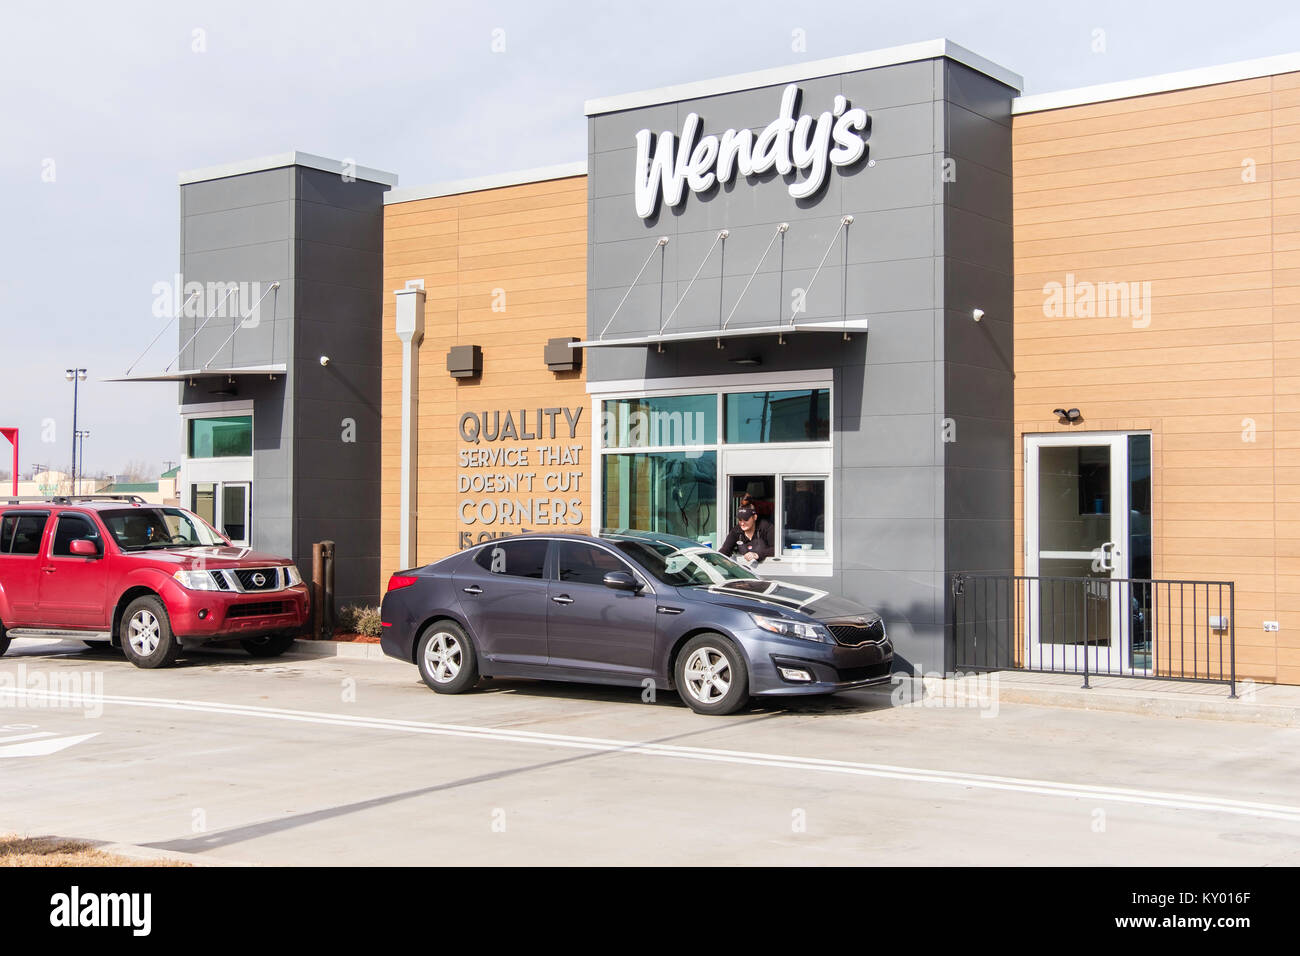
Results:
<point x="669" y="165"/>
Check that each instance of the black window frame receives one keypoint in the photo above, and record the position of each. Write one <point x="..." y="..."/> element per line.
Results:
<point x="98" y="536"/>
<point x="18" y="516"/>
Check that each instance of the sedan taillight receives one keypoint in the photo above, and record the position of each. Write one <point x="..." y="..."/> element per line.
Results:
<point x="400" y="581"/>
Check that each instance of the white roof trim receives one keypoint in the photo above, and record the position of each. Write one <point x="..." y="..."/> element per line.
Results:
<point x="1164" y="83"/>
<point x="455" y="187"/>
<point x="909" y="53"/>
<point x="279" y="161"/>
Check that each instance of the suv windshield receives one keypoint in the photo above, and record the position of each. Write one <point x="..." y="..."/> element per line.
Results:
<point x="139" y="529"/>
<point x="686" y="566"/>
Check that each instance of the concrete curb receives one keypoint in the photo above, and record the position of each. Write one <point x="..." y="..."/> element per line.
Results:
<point x="1119" y="700"/>
<point x="369" y="652"/>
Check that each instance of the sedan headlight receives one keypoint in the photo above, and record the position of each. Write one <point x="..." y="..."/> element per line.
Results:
<point x="196" y="580"/>
<point x="291" y="576"/>
<point x="786" y="628"/>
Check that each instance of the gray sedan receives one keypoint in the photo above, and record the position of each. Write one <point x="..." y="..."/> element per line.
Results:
<point x="628" y="608"/>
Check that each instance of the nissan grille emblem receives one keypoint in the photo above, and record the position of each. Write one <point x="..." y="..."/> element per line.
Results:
<point x="259" y="579"/>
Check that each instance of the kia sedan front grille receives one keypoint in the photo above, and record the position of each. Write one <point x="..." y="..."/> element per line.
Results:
<point x="855" y="635"/>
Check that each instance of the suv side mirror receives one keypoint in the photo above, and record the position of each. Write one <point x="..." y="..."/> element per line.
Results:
<point x="622" y="581"/>
<point x="84" y="547"/>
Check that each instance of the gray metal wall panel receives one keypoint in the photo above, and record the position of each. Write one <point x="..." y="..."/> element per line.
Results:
<point x="978" y="375"/>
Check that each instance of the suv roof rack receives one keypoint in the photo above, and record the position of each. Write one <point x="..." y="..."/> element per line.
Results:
<point x="69" y="499"/>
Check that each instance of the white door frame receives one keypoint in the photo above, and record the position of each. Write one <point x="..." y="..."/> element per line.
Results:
<point x="1112" y="556"/>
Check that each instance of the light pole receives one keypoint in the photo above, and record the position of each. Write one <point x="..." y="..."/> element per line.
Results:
<point x="74" y="375"/>
<point x="81" y="451"/>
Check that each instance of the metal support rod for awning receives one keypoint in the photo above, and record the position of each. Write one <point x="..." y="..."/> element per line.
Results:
<point x="720" y="237"/>
<point x="780" y="230"/>
<point x="165" y="327"/>
<point x="844" y="224"/>
<point x="240" y="324"/>
<point x="659" y="244"/>
<point x="214" y="311"/>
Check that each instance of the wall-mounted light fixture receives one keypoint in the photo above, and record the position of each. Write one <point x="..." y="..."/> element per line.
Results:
<point x="465" y="361"/>
<point x="559" y="357"/>
<point x="324" y="360"/>
<point x="977" y="314"/>
<point x="1068" y="416"/>
<point x="746" y="360"/>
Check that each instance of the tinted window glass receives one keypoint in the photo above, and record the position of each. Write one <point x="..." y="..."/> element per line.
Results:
<point x="522" y="558"/>
<point x="803" y="515"/>
<point x="670" y="492"/>
<point x="21" y="533"/>
<point x="583" y="564"/>
<point x="72" y="527"/>
<point x="754" y="417"/>
<point x="661" y="421"/>
<point x="221" y="437"/>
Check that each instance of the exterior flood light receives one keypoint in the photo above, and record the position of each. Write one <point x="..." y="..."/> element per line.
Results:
<point x="1067" y="416"/>
<point x="977" y="314"/>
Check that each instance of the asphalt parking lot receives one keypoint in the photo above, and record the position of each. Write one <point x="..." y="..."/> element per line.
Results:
<point x="325" y="761"/>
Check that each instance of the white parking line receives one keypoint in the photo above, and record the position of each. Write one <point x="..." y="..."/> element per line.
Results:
<point x="1151" y="798"/>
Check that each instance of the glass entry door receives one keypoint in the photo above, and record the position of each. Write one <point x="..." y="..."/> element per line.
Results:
<point x="1077" y="509"/>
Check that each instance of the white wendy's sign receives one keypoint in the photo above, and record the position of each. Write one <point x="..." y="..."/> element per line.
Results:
<point x="786" y="144"/>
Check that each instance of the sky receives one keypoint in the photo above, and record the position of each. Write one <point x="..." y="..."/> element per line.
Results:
<point x="101" y="105"/>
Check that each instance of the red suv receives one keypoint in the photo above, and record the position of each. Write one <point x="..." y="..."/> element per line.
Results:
<point x="151" y="578"/>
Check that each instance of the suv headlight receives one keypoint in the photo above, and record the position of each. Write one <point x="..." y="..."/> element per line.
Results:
<point x="806" y="632"/>
<point x="196" y="580"/>
<point x="291" y="576"/>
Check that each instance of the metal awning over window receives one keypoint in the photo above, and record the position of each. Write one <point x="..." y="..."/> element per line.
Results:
<point x="725" y="330"/>
<point x="194" y="375"/>
<point x="781" y="332"/>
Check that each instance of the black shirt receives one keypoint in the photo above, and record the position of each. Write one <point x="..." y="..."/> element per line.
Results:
<point x="737" y="543"/>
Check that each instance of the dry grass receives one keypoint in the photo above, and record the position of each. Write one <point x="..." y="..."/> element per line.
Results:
<point x="51" y="851"/>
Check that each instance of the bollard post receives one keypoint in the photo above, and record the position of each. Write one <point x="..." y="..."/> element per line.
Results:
<point x="327" y="554"/>
<point x="318" y="593"/>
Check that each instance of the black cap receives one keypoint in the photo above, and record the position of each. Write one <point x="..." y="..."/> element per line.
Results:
<point x="744" y="514"/>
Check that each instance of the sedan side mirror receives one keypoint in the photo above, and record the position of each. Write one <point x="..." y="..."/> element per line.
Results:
<point x="622" y="581"/>
<point x="84" y="547"/>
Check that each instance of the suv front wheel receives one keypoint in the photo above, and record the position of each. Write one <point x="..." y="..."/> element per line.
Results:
<point x="146" y="634"/>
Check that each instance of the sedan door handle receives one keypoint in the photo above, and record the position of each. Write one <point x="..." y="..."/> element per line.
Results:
<point x="49" y="570"/>
<point x="562" y="599"/>
<point x="473" y="589"/>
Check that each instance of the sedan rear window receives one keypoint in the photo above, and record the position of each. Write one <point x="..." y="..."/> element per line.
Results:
<point x="521" y="558"/>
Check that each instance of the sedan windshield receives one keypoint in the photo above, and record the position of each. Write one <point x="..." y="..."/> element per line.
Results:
<point x="684" y="567"/>
<point x="139" y="529"/>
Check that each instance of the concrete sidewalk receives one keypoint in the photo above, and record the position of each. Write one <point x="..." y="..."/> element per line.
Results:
<point x="1275" y="704"/>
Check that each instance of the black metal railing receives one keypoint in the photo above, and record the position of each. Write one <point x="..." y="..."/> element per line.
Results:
<point x="1129" y="627"/>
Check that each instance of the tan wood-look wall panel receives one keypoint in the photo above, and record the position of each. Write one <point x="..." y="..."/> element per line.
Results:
<point x="530" y="241"/>
<point x="1197" y="192"/>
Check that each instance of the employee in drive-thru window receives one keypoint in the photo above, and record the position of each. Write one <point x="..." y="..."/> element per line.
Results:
<point x="751" y="540"/>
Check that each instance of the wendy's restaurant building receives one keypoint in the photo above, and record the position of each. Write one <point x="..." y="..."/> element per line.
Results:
<point x="1009" y="369"/>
